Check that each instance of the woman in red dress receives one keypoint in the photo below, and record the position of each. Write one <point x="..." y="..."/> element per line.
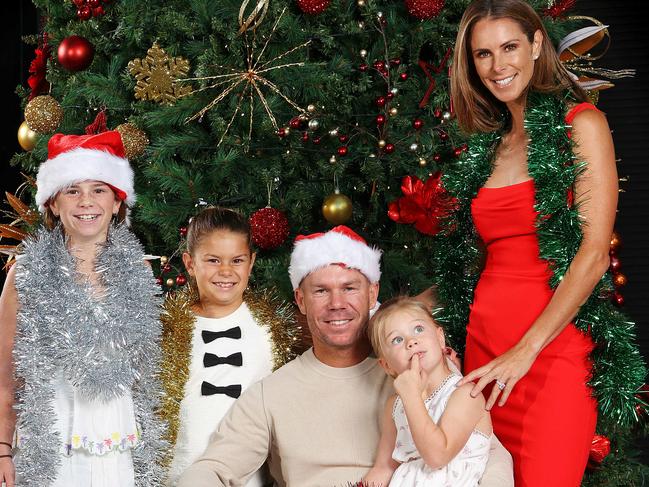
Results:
<point x="523" y="350"/>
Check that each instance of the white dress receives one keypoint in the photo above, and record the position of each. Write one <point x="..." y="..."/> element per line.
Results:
<point x="201" y="414"/>
<point x="97" y="438"/>
<point x="465" y="470"/>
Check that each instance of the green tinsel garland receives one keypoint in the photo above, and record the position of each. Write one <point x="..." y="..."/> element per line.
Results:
<point x="618" y="369"/>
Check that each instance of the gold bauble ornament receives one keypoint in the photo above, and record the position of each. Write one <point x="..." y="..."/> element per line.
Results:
<point x="381" y="143"/>
<point x="43" y="114"/>
<point x="337" y="208"/>
<point x="27" y="137"/>
<point x="170" y="282"/>
<point x="134" y="140"/>
<point x="164" y="259"/>
<point x="422" y="162"/>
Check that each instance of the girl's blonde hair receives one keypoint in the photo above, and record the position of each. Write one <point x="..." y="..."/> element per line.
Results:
<point x="476" y="108"/>
<point x="376" y="327"/>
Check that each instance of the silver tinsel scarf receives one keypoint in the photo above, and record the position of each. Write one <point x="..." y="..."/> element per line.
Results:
<point x="103" y="344"/>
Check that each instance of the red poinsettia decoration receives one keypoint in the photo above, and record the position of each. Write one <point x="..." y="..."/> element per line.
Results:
<point x="424" y="204"/>
<point x="38" y="68"/>
<point x="559" y="8"/>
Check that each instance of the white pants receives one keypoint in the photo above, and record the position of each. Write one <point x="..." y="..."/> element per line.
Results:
<point x="113" y="469"/>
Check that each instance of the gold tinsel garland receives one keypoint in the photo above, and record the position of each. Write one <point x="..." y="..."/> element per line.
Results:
<point x="178" y="319"/>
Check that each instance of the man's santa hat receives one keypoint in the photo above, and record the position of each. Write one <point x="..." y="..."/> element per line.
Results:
<point x="76" y="158"/>
<point x="340" y="245"/>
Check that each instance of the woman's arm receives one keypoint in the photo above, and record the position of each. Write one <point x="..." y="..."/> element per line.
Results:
<point x="439" y="443"/>
<point x="384" y="465"/>
<point x="8" y="310"/>
<point x="596" y="192"/>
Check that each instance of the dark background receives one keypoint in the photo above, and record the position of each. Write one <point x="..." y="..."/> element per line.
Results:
<point x="626" y="105"/>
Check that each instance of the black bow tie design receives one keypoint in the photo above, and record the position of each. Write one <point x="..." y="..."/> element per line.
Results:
<point x="210" y="336"/>
<point x="210" y="360"/>
<point x="233" y="391"/>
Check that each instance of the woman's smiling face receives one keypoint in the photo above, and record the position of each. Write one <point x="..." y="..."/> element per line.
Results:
<point x="504" y="57"/>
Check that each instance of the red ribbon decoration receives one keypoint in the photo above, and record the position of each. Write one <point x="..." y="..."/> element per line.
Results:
<point x="599" y="449"/>
<point x="424" y="204"/>
<point x="38" y="68"/>
<point x="99" y="125"/>
<point x="559" y="8"/>
<point x="437" y="69"/>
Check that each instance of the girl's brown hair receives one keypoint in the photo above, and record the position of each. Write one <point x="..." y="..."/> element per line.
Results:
<point x="476" y="108"/>
<point x="215" y="218"/>
<point x="376" y="327"/>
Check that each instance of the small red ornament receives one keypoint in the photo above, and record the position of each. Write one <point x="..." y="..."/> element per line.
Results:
<point x="317" y="140"/>
<point x="380" y="101"/>
<point x="98" y="11"/>
<point x="465" y="147"/>
<point x="457" y="151"/>
<point x="166" y="268"/>
<point x="343" y="138"/>
<point x="599" y="450"/>
<point x="295" y="123"/>
<point x="395" y="62"/>
<point x="424" y="9"/>
<point x="269" y="228"/>
<point x="363" y="67"/>
<point x="437" y="112"/>
<point x="282" y="132"/>
<point x="403" y="76"/>
<point x="84" y="12"/>
<point x="615" y="264"/>
<point x="618" y="299"/>
<point x="181" y="280"/>
<point x="417" y="123"/>
<point x="75" y="53"/>
<point x="78" y="3"/>
<point x="619" y="280"/>
<point x="313" y="7"/>
<point x="437" y="158"/>
<point x="443" y="135"/>
<point x="342" y="150"/>
<point x="380" y="119"/>
<point x="305" y="136"/>
<point x="389" y="96"/>
<point x="389" y="148"/>
<point x="380" y="65"/>
<point x="158" y="280"/>
<point x="182" y="231"/>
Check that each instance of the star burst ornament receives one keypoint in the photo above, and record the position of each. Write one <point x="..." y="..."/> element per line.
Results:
<point x="157" y="75"/>
<point x="246" y="82"/>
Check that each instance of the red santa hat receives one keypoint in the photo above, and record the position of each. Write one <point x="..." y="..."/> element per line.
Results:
<point x="75" y="158"/>
<point x="340" y="245"/>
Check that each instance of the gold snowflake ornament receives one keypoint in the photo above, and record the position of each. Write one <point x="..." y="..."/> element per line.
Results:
<point x="156" y="76"/>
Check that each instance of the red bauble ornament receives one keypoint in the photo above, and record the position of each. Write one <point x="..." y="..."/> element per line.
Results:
<point x="619" y="280"/>
<point x="363" y="67"/>
<point x="443" y="135"/>
<point x="437" y="158"/>
<point x="457" y="151"/>
<point x="618" y="299"/>
<point x="343" y="138"/>
<point x="403" y="76"/>
<point x="389" y="96"/>
<point x="84" y="12"/>
<point x="181" y="280"/>
<point x="78" y="3"/>
<point x="98" y="11"/>
<point x="389" y="148"/>
<point x="380" y="119"/>
<point x="269" y="228"/>
<point x="395" y="62"/>
<point x="158" y="281"/>
<point x="342" y="150"/>
<point x="75" y="53"/>
<point x="615" y="264"/>
<point x="313" y="7"/>
<point x="282" y="132"/>
<point x="166" y="268"/>
<point x="380" y="65"/>
<point x="417" y="123"/>
<point x="317" y="140"/>
<point x="295" y="123"/>
<point x="437" y="112"/>
<point x="305" y="136"/>
<point x="424" y="9"/>
<point x="182" y="231"/>
<point x="380" y="101"/>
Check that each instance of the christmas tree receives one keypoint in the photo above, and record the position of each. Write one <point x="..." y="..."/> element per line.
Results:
<point x="301" y="114"/>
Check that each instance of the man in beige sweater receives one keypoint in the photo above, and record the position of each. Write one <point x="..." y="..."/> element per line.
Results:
<point x="315" y="421"/>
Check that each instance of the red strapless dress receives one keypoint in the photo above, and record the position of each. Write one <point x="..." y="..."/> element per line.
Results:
<point x="549" y="419"/>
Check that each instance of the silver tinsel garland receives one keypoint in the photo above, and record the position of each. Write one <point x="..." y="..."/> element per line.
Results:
<point x="104" y="343"/>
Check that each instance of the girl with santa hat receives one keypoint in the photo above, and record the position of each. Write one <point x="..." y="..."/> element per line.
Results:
<point x="79" y="329"/>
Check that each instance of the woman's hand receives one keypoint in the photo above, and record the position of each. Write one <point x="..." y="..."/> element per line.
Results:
<point x="7" y="471"/>
<point x="506" y="370"/>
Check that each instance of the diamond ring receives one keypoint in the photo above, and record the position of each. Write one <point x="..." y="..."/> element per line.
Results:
<point x="501" y="385"/>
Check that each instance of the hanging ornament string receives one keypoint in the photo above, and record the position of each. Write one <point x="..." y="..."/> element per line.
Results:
<point x="437" y="69"/>
<point x="248" y="80"/>
<point x="256" y="16"/>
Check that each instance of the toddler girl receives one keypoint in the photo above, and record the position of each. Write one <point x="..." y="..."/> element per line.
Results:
<point x="80" y="312"/>
<point x="218" y="338"/>
<point x="433" y="432"/>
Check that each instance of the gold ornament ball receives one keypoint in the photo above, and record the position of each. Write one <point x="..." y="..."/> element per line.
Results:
<point x="310" y="108"/>
<point x="27" y="137"/>
<point x="135" y="140"/>
<point x="164" y="259"/>
<point x="170" y="282"/>
<point x="360" y="3"/>
<point x="422" y="162"/>
<point x="337" y="208"/>
<point x="381" y="143"/>
<point x="393" y="111"/>
<point x="43" y="114"/>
